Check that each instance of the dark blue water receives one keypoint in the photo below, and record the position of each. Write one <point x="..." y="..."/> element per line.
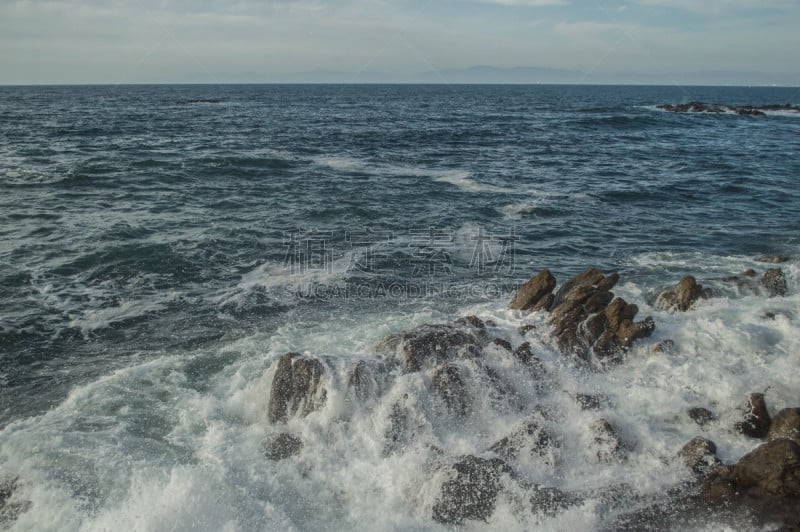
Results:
<point x="133" y="220"/>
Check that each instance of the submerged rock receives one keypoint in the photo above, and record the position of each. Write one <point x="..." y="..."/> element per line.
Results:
<point x="296" y="388"/>
<point x="774" y="281"/>
<point x="472" y="493"/>
<point x="756" y="420"/>
<point x="283" y="446"/>
<point x="785" y="424"/>
<point x="683" y="295"/>
<point x="701" y="416"/>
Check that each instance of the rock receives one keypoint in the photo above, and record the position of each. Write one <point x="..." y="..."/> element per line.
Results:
<point x="756" y="418"/>
<point x="471" y="321"/>
<point x="530" y="436"/>
<point x="550" y="501"/>
<point x="770" y="470"/>
<point x="7" y="488"/>
<point x="430" y="345"/>
<point x="701" y="416"/>
<point x="591" y="402"/>
<point x="750" y="272"/>
<point x="451" y="386"/>
<point x="785" y="424"/>
<point x="296" y="388"/>
<point x="10" y="510"/>
<point x="609" y="447"/>
<point x="774" y="259"/>
<point x="533" y="291"/>
<point x="682" y="296"/>
<point x="664" y="346"/>
<point x="699" y="455"/>
<point x="774" y="281"/>
<point x="571" y="291"/>
<point x="525" y="329"/>
<point x="283" y="446"/>
<point x="472" y="493"/>
<point x="399" y="433"/>
<point x="505" y="344"/>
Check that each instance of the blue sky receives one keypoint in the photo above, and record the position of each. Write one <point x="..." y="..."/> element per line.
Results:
<point x="133" y="41"/>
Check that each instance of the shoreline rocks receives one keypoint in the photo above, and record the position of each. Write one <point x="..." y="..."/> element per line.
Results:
<point x="744" y="110"/>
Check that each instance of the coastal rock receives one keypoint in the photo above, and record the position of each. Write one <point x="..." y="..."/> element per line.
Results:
<point x="756" y="420"/>
<point x="682" y="296"/>
<point x="472" y="492"/>
<point x="773" y="259"/>
<point x="699" y="455"/>
<point x="505" y="344"/>
<point x="744" y="110"/>
<point x="608" y="445"/>
<point x="283" y="446"/>
<point x="296" y="388"/>
<point x="428" y="346"/>
<point x="774" y="281"/>
<point x="701" y="416"/>
<point x="10" y="510"/>
<point x="550" y="501"/>
<point x="450" y="384"/>
<point x="785" y="424"/>
<point x="533" y="291"/>
<point x="591" y="402"/>
<point x="531" y="436"/>
<point x="399" y="434"/>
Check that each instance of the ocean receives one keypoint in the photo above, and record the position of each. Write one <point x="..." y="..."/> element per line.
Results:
<point x="163" y="246"/>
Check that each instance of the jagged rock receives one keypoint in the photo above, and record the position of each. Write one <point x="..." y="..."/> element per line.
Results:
<point x="683" y="295"/>
<point x="283" y="446"/>
<point x="701" y="416"/>
<point x="785" y="424"/>
<point x="550" y="501"/>
<point x="756" y="417"/>
<point x="530" y="435"/>
<point x="609" y="446"/>
<point x="505" y="344"/>
<point x="472" y="493"/>
<point x="774" y="281"/>
<point x="451" y="386"/>
<point x="590" y="402"/>
<point x="368" y="377"/>
<point x="699" y="455"/>
<point x="296" y="388"/>
<point x="576" y="289"/>
<point x="399" y="434"/>
<point x="430" y="345"/>
<point x="533" y="291"/>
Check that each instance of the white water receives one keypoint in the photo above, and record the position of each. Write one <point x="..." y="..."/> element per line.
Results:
<point x="177" y="443"/>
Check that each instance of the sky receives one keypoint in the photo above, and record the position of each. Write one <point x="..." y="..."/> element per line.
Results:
<point x="162" y="41"/>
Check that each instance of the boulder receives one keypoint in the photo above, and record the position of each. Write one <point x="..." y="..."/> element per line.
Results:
<point x="450" y="384"/>
<point x="756" y="420"/>
<point x="774" y="281"/>
<point x="530" y="435"/>
<point x="682" y="296"/>
<point x="699" y="455"/>
<point x="296" y="389"/>
<point x="785" y="424"/>
<point x="471" y="494"/>
<point x="533" y="291"/>
<point x="428" y="346"/>
<point x="283" y="446"/>
<point x="701" y="416"/>
<point x="550" y="501"/>
<point x="505" y="344"/>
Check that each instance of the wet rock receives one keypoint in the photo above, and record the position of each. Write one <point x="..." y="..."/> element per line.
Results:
<point x="682" y="296"/>
<point x="472" y="493"/>
<point x="750" y="272"/>
<point x="609" y="446"/>
<point x="399" y="433"/>
<point x="471" y="321"/>
<point x="533" y="291"/>
<point x="699" y="455"/>
<point x="664" y="346"/>
<point x="774" y="281"/>
<point x="773" y="259"/>
<point x="785" y="424"/>
<point x="10" y="510"/>
<point x="578" y="289"/>
<point x="283" y="446"/>
<point x="701" y="416"/>
<point x="368" y="378"/>
<point x="591" y="402"/>
<point x="756" y="417"/>
<point x="450" y="384"/>
<point x="430" y="345"/>
<point x="550" y="501"/>
<point x="525" y="329"/>
<point x="530" y="435"/>
<point x="296" y="389"/>
<point x="505" y="344"/>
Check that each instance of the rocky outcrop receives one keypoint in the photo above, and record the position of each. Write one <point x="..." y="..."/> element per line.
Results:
<point x="683" y="295"/>
<point x="756" y="420"/>
<point x="607" y="443"/>
<point x="550" y="501"/>
<point x="774" y="282"/>
<point x="530" y="436"/>
<point x="535" y="291"/>
<point x="585" y="315"/>
<point x="429" y="346"/>
<point x="785" y="424"/>
<point x="471" y="493"/>
<point x="450" y="384"/>
<point x="283" y="446"/>
<point x="296" y="388"/>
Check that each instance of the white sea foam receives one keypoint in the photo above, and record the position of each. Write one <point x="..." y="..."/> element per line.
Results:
<point x="161" y="446"/>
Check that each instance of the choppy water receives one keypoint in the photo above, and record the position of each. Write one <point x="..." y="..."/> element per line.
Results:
<point x="157" y="256"/>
